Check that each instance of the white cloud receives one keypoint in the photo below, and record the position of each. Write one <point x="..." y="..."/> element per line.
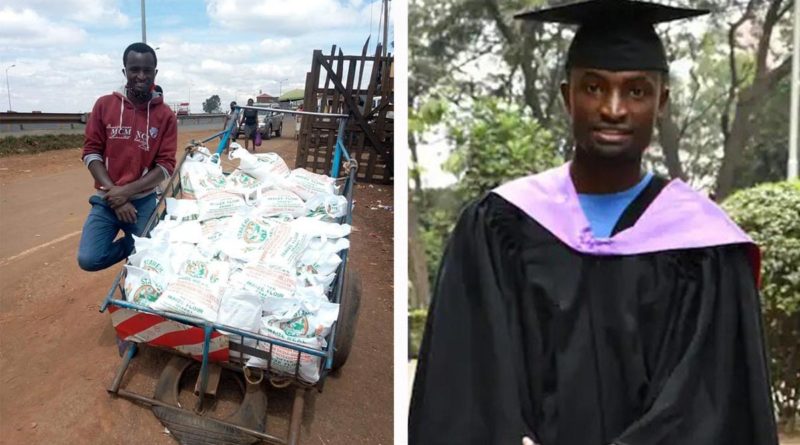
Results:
<point x="175" y="48"/>
<point x="89" y="62"/>
<point x="275" y="46"/>
<point x="98" y="11"/>
<point x="288" y="17"/>
<point x="25" y="28"/>
<point x="94" y="12"/>
<point x="216" y="66"/>
<point x="69" y="84"/>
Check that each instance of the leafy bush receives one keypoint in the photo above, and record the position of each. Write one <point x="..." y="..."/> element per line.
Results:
<point x="416" y="327"/>
<point x="770" y="214"/>
<point x="497" y="142"/>
<point x="436" y="227"/>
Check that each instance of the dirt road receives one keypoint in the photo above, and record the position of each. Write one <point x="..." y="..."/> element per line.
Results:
<point x="58" y="353"/>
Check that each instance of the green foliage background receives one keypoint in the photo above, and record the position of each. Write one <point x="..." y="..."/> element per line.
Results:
<point x="770" y="214"/>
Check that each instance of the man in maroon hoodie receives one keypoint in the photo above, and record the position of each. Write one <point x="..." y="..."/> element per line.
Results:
<point x="130" y="145"/>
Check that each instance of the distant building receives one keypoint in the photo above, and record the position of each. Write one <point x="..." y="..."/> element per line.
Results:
<point x="264" y="98"/>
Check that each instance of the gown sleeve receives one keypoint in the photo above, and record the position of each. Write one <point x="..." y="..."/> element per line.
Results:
<point x="467" y="386"/>
<point x="716" y="388"/>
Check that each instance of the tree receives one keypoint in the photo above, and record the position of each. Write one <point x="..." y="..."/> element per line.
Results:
<point x="749" y="88"/>
<point x="419" y="261"/>
<point x="496" y="142"/>
<point x="766" y="157"/>
<point x="212" y="105"/>
<point x="701" y="137"/>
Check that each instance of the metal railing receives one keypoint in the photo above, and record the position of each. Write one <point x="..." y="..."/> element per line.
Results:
<point x="224" y="135"/>
<point x="56" y="123"/>
<point x="54" y="118"/>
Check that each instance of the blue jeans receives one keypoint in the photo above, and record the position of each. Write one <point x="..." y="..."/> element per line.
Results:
<point x="98" y="250"/>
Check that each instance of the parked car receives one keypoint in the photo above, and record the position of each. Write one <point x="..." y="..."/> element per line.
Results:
<point x="272" y="123"/>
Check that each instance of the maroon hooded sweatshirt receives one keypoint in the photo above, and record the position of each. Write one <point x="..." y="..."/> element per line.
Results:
<point x="131" y="139"/>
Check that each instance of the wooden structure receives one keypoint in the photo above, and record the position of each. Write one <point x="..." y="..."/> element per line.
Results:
<point x="336" y="84"/>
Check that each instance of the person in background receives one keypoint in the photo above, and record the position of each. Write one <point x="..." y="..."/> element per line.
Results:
<point x="297" y="122"/>
<point x="230" y="115"/>
<point x="129" y="148"/>
<point x="250" y="118"/>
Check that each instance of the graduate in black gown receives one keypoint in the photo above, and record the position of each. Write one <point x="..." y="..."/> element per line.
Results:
<point x="595" y="304"/>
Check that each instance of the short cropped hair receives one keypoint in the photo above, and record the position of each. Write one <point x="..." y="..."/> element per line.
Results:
<point x="139" y="47"/>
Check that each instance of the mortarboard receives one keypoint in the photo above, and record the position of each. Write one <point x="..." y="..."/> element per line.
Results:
<point x="614" y="35"/>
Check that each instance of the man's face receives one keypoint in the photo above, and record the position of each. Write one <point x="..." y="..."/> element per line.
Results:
<point x="140" y="70"/>
<point x="613" y="112"/>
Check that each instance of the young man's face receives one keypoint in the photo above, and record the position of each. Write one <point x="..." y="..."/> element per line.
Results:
<point x="613" y="113"/>
<point x="140" y="70"/>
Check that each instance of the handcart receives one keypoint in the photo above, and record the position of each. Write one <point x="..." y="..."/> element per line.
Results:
<point x="221" y="347"/>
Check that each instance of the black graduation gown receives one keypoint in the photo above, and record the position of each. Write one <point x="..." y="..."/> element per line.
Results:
<point x="528" y="337"/>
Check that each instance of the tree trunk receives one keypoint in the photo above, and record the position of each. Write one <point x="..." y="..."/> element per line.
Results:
<point x="419" y="294"/>
<point x="669" y="138"/>
<point x="414" y="170"/>
<point x="750" y="100"/>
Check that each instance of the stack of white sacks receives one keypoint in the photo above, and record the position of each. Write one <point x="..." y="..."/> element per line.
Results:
<point x="256" y="250"/>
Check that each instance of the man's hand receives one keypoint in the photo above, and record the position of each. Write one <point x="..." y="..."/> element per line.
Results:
<point x="126" y="213"/>
<point x="117" y="196"/>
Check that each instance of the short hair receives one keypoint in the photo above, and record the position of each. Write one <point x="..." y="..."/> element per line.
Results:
<point x="159" y="89"/>
<point x="249" y="100"/>
<point x="139" y="47"/>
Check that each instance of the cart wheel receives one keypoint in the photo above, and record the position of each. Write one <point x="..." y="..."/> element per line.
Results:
<point x="189" y="428"/>
<point x="348" y="317"/>
<point x="278" y="133"/>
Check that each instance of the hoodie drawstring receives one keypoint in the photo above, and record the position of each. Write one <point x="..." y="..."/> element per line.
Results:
<point x="121" y="109"/>
<point x="147" y="127"/>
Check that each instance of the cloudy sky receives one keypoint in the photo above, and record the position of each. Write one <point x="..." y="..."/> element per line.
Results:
<point x="69" y="52"/>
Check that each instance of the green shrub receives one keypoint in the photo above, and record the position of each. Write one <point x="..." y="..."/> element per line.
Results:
<point x="770" y="214"/>
<point x="416" y="327"/>
<point x="11" y="145"/>
<point x="496" y="142"/>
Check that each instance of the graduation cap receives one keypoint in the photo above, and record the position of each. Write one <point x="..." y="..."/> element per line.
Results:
<point x="614" y="35"/>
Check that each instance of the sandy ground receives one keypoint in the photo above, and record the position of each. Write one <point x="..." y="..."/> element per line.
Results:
<point x="58" y="353"/>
